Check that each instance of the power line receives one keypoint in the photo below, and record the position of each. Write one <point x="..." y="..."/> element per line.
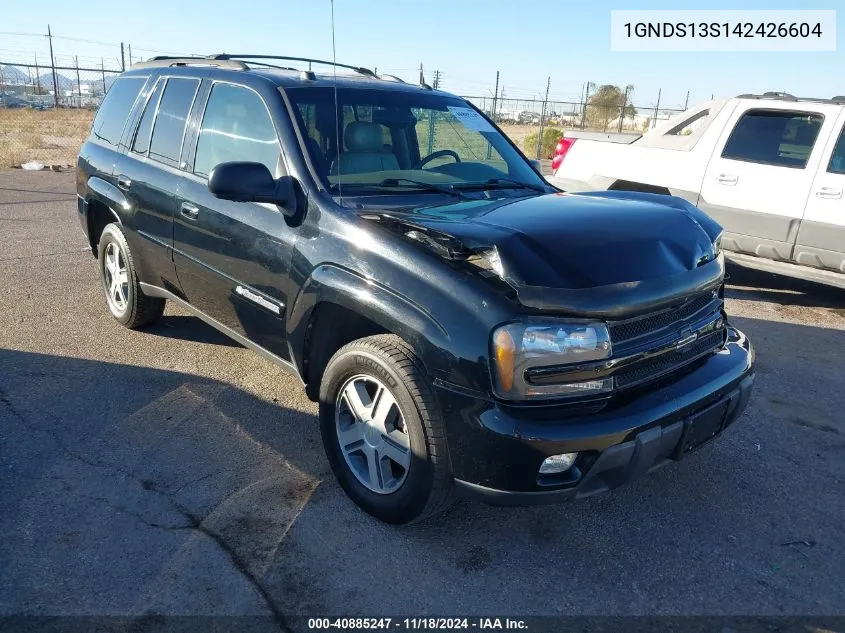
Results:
<point x="60" y="37"/>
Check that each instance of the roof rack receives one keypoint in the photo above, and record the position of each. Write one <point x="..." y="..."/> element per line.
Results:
<point x="785" y="96"/>
<point x="358" y="69"/>
<point x="239" y="62"/>
<point x="163" y="61"/>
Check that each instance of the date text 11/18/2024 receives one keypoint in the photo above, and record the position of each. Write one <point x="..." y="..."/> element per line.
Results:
<point x="417" y="624"/>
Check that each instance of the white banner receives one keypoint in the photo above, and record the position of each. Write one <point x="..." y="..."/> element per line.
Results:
<point x="722" y="30"/>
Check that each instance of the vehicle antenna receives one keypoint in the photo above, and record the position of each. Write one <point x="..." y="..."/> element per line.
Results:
<point x="338" y="119"/>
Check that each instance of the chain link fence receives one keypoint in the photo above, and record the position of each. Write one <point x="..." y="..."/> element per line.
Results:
<point x="43" y="87"/>
<point x="536" y="125"/>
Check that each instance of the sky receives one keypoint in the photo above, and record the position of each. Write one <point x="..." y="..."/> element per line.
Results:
<point x="527" y="41"/>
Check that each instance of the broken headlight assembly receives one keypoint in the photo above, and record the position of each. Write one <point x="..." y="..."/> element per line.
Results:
<point x="520" y="347"/>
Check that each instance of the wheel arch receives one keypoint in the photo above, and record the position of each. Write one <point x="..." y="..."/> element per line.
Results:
<point x="102" y="201"/>
<point x="337" y="306"/>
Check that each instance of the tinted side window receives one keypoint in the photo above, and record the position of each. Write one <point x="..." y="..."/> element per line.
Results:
<point x="142" y="136"/>
<point x="774" y="137"/>
<point x="235" y="127"/>
<point x="837" y="158"/>
<point x="169" y="128"/>
<point x="112" y="115"/>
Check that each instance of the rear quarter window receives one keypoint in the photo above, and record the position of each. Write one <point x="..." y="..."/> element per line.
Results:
<point x="115" y="109"/>
<point x="141" y="144"/>
<point x="170" y="121"/>
<point x="783" y="138"/>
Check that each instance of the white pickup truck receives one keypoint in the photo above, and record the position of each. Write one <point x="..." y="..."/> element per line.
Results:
<point x="769" y="168"/>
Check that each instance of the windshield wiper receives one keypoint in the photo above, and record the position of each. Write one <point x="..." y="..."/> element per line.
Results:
<point x="422" y="186"/>
<point x="501" y="183"/>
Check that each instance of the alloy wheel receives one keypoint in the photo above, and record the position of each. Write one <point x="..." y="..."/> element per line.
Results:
<point x="372" y="434"/>
<point x="116" y="277"/>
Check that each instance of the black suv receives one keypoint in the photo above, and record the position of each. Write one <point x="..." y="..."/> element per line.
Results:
<point x="462" y="324"/>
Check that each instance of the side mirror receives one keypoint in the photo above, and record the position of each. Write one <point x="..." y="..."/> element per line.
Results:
<point x="536" y="164"/>
<point x="251" y="182"/>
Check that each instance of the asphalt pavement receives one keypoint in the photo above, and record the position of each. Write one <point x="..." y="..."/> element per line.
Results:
<point x="171" y="471"/>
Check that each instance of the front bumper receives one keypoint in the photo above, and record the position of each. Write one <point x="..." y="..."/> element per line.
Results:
<point x="496" y="450"/>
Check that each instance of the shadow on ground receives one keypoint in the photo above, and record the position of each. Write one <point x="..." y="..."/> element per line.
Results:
<point x="757" y="285"/>
<point x="134" y="490"/>
<point x="189" y="328"/>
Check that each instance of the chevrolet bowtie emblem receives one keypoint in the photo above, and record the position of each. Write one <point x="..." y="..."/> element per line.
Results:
<point x="690" y="338"/>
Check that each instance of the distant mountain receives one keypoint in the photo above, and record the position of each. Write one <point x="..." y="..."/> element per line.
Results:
<point x="15" y="75"/>
<point x="65" y="83"/>
<point x="12" y="75"/>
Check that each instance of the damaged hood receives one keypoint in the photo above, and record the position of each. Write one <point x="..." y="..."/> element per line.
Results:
<point x="604" y="253"/>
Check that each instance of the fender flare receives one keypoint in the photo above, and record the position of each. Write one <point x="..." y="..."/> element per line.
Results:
<point x="372" y="300"/>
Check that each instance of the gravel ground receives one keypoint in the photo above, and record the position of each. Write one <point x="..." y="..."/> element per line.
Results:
<point x="172" y="471"/>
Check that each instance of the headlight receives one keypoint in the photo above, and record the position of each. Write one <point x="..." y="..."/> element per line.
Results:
<point x="518" y="347"/>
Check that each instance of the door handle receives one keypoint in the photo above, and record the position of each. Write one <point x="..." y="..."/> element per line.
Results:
<point x="727" y="179"/>
<point x="124" y="182"/>
<point x="829" y="193"/>
<point x="189" y="210"/>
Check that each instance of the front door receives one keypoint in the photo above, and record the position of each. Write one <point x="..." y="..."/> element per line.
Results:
<point x="821" y="238"/>
<point x="757" y="181"/>
<point x="232" y="258"/>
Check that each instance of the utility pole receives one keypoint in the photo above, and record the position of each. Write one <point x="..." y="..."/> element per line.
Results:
<point x="624" y="106"/>
<point x="431" y="114"/>
<point x="657" y="107"/>
<point x="542" y="118"/>
<point x="686" y="102"/>
<point x="495" y="97"/>
<point x="493" y="114"/>
<point x="586" y="100"/>
<point x="581" y="103"/>
<point x="37" y="74"/>
<point x="122" y="58"/>
<point x="53" y="68"/>
<point x="103" y="71"/>
<point x="78" y="83"/>
<point x="130" y="55"/>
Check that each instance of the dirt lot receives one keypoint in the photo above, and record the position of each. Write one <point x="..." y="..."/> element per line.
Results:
<point x="172" y="471"/>
<point x="54" y="136"/>
<point x="49" y="136"/>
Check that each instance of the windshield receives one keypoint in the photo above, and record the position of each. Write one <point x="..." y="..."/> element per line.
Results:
<point x="392" y="140"/>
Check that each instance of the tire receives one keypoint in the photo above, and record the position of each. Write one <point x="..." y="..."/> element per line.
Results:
<point x="127" y="303"/>
<point x="426" y="486"/>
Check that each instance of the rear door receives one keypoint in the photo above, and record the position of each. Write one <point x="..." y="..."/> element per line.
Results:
<point x="821" y="238"/>
<point x="756" y="184"/>
<point x="232" y="258"/>
<point x="149" y="173"/>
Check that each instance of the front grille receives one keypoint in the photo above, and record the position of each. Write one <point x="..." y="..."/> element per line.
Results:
<point x="670" y="361"/>
<point x="621" y="331"/>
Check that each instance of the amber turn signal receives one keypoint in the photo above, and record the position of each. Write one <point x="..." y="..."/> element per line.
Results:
<point x="505" y="351"/>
